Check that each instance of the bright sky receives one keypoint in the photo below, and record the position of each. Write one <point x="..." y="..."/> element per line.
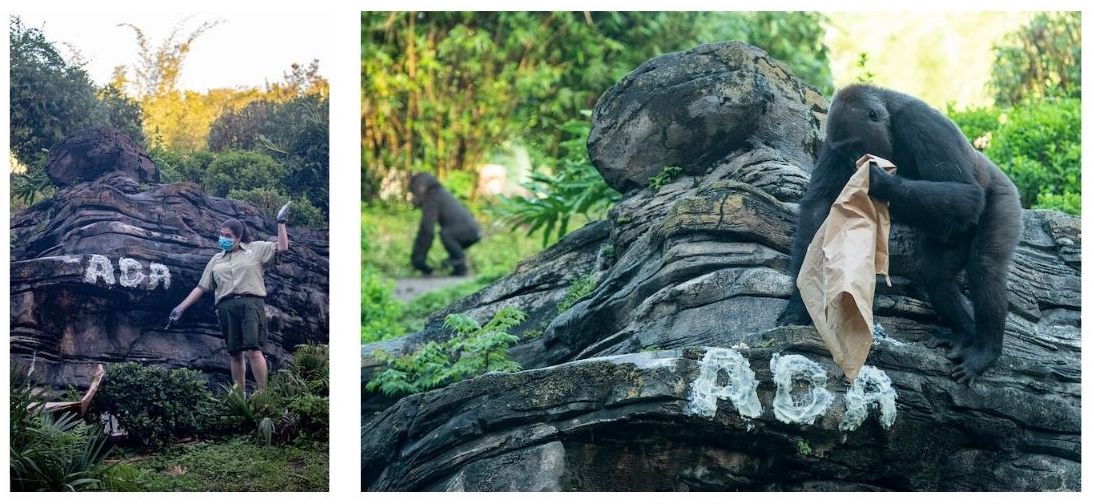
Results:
<point x="248" y="48"/>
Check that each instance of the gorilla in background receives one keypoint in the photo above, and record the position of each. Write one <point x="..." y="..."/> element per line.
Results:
<point x="458" y="228"/>
<point x="965" y="210"/>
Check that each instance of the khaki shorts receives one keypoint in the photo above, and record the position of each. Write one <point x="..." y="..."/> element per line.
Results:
<point x="243" y="323"/>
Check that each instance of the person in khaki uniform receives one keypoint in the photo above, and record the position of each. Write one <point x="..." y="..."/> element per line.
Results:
<point x="235" y="278"/>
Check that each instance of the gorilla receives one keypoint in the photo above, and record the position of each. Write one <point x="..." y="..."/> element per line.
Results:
<point x="965" y="211"/>
<point x="458" y="228"/>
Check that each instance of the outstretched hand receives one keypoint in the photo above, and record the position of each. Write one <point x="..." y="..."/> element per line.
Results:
<point x="283" y="214"/>
<point x="175" y="314"/>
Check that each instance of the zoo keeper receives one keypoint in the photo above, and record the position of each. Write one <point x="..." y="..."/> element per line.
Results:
<point x="235" y="278"/>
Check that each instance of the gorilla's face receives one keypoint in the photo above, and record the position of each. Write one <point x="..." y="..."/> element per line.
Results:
<point x="417" y="190"/>
<point x="858" y="124"/>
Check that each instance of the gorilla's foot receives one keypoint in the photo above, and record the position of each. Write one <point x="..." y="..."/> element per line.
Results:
<point x="975" y="360"/>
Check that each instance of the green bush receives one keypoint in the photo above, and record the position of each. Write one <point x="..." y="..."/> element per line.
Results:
<point x="581" y="287"/>
<point x="155" y="405"/>
<point x="574" y="188"/>
<point x="294" y="404"/>
<point x="380" y="310"/>
<point x="270" y="200"/>
<point x="241" y="170"/>
<point x="475" y="349"/>
<point x="48" y="452"/>
<point x="1037" y="144"/>
<point x="181" y="166"/>
<point x="312" y="364"/>
<point x="667" y="174"/>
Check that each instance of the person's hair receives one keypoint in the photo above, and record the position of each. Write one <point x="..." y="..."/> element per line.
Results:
<point x="239" y="229"/>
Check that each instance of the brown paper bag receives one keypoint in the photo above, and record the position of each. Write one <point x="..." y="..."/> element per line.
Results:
<point x="837" y="277"/>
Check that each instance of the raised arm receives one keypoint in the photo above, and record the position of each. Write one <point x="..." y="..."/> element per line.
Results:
<point x="282" y="237"/>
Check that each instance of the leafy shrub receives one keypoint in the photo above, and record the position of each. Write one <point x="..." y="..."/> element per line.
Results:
<point x="475" y="349"/>
<point x="574" y="188"/>
<point x="380" y="310"/>
<point x="241" y="170"/>
<point x="51" y="453"/>
<point x="181" y="166"/>
<point x="1040" y="59"/>
<point x="312" y="364"/>
<point x="581" y="287"/>
<point x="1037" y="144"/>
<point x="155" y="405"/>
<point x="269" y="201"/>
<point x="668" y="174"/>
<point x="294" y="404"/>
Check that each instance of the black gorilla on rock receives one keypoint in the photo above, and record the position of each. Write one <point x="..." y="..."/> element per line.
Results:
<point x="966" y="211"/>
<point x="458" y="228"/>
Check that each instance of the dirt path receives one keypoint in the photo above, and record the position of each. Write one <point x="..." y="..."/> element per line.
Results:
<point x="409" y="288"/>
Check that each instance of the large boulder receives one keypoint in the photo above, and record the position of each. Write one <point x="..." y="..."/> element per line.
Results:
<point x="642" y="384"/>
<point x="91" y="153"/>
<point x="97" y="267"/>
<point x="691" y="108"/>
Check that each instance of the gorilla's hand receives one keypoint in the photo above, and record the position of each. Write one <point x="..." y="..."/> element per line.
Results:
<point x="882" y="183"/>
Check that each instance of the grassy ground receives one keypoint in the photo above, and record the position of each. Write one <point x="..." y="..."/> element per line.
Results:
<point x="389" y="231"/>
<point x="235" y="464"/>
<point x="387" y="238"/>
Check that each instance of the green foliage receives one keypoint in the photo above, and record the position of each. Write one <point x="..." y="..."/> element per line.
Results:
<point x="581" y="287"/>
<point x="1037" y="144"/>
<point x="181" y="166"/>
<point x="269" y="201"/>
<point x="241" y="170"/>
<point x="804" y="449"/>
<point x="668" y="174"/>
<point x="575" y="188"/>
<point x="417" y="312"/>
<point x="294" y="404"/>
<point x="380" y="311"/>
<point x="388" y="231"/>
<point x="865" y="76"/>
<point x="48" y="452"/>
<point x="295" y="133"/>
<point x="442" y="90"/>
<point x="52" y="98"/>
<point x="123" y="113"/>
<point x="473" y="350"/>
<point x="154" y="405"/>
<point x="311" y="363"/>
<point x="1041" y="59"/>
<point x="235" y="464"/>
<point x="795" y="38"/>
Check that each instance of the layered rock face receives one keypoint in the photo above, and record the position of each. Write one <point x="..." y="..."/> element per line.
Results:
<point x="97" y="268"/>
<point x="671" y="374"/>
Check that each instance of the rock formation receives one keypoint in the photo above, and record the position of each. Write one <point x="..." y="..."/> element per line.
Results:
<point x="671" y="375"/>
<point x="97" y="267"/>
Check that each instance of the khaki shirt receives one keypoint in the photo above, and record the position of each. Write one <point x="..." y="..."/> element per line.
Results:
<point x="239" y="272"/>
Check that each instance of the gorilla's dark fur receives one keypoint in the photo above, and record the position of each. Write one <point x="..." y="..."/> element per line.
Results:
<point x="966" y="211"/>
<point x="458" y="228"/>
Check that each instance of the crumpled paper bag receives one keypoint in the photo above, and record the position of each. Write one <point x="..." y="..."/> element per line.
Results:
<point x="838" y="274"/>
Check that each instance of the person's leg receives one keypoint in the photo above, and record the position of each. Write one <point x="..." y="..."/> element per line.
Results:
<point x="239" y="371"/>
<point x="258" y="368"/>
<point x="230" y="326"/>
<point x="254" y="339"/>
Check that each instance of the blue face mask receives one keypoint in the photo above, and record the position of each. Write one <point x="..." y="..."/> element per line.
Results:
<point x="226" y="243"/>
